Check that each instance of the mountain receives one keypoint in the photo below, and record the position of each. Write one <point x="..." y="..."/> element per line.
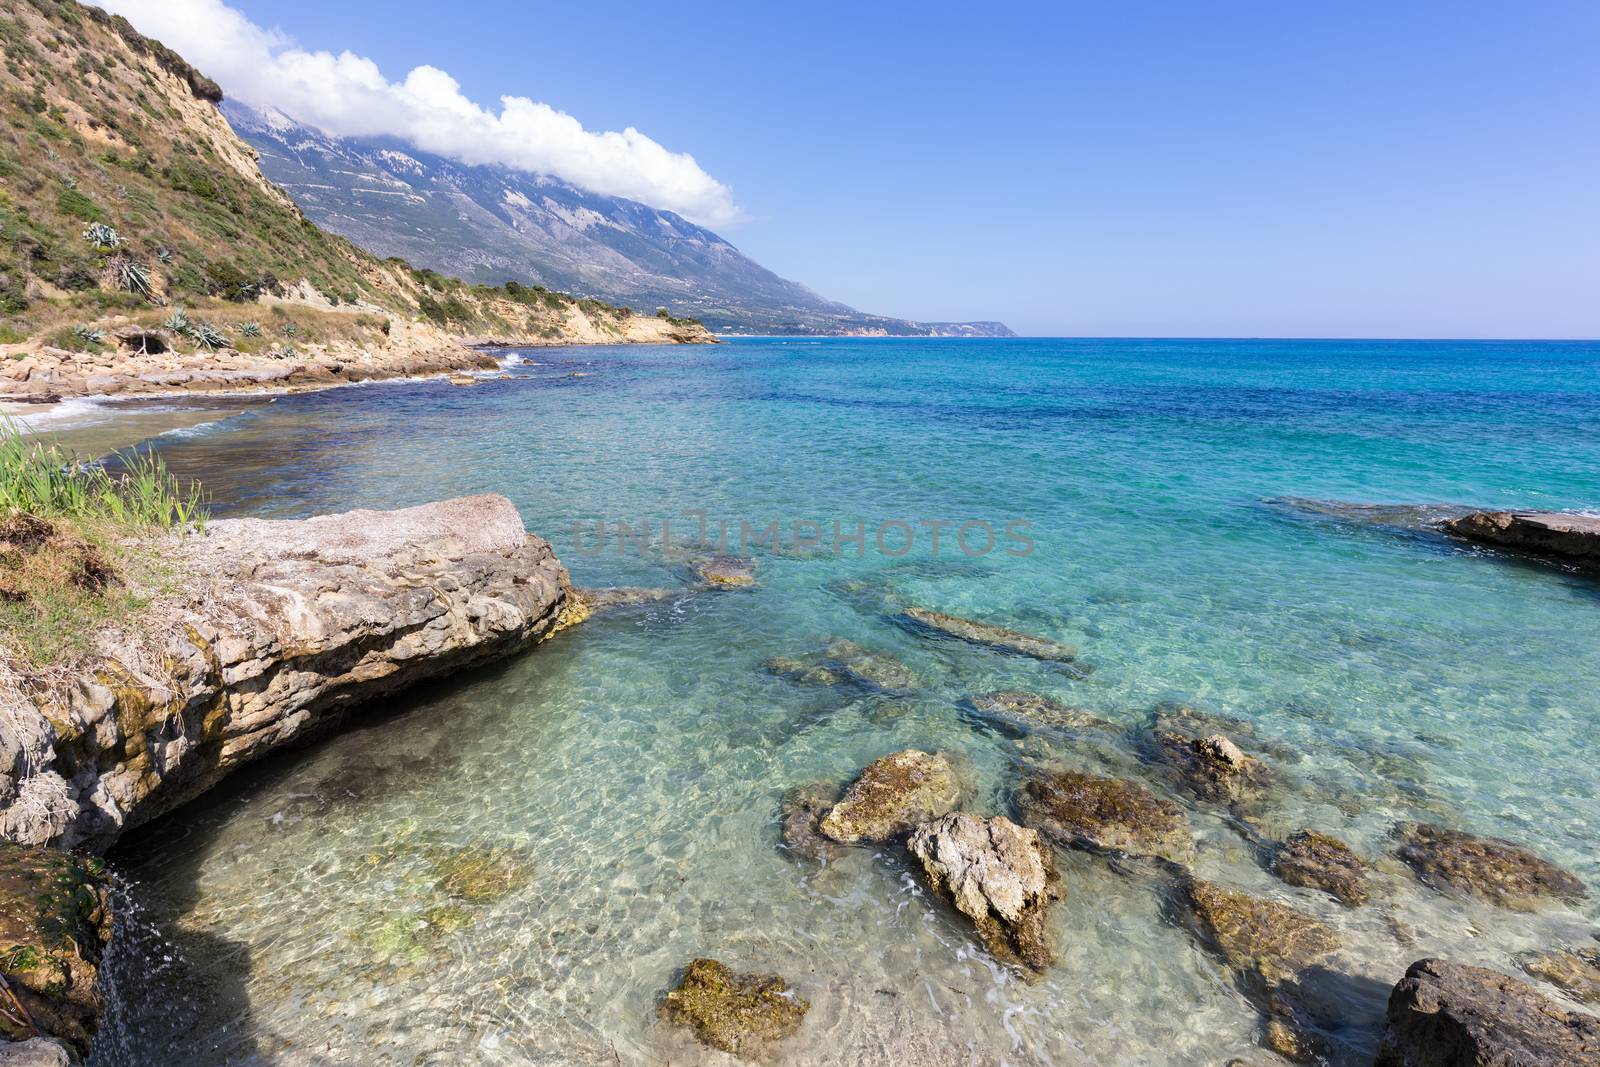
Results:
<point x="490" y="224"/>
<point x="132" y="215"/>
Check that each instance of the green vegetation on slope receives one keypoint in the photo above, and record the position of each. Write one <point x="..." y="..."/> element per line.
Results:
<point x="121" y="187"/>
<point x="67" y="536"/>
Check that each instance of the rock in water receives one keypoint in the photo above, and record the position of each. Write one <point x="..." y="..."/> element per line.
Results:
<point x="1213" y="767"/>
<point x="845" y="662"/>
<point x="1485" y="867"/>
<point x="35" y="1052"/>
<point x="1319" y="861"/>
<point x="1107" y="815"/>
<point x="1575" y="537"/>
<point x="1268" y="946"/>
<point x="1445" y="1014"/>
<point x="1577" y="971"/>
<point x="802" y="810"/>
<point x="54" y="922"/>
<point x="1018" y="711"/>
<point x="272" y="631"/>
<point x="737" y="1013"/>
<point x="894" y="795"/>
<point x="999" y="875"/>
<point x="727" y="572"/>
<point x="992" y="636"/>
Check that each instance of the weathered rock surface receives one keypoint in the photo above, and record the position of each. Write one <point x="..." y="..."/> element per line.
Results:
<point x="1269" y="947"/>
<point x="275" y="629"/>
<point x="845" y="662"/>
<point x="999" y="875"/>
<point x="1445" y="1014"/>
<point x="34" y="1052"/>
<point x="802" y="810"/>
<point x="893" y="796"/>
<point x="1485" y="867"/>
<point x="1081" y="810"/>
<point x="1018" y="711"/>
<point x="1316" y="860"/>
<point x="1212" y="767"/>
<point x="737" y="1013"/>
<point x="991" y="636"/>
<point x="1547" y="533"/>
<point x="1576" y="971"/>
<point x="54" y="922"/>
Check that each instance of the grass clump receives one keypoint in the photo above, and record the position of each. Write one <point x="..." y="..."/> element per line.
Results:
<point x="66" y="534"/>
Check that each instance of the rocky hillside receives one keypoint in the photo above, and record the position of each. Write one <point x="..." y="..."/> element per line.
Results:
<point x="490" y="223"/>
<point x="125" y="195"/>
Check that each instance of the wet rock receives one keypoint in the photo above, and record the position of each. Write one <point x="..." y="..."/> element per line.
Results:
<point x="1117" y="815"/>
<point x="802" y="810"/>
<point x="1445" y="1014"/>
<point x="35" y="1052"/>
<point x="738" y="1013"/>
<point x="1017" y="711"/>
<point x="1576" y="971"/>
<point x="893" y="796"/>
<point x="1320" y="861"/>
<point x="845" y="662"/>
<point x="999" y="875"/>
<point x="54" y="922"/>
<point x="481" y="875"/>
<point x="593" y="601"/>
<point x="991" y="636"/>
<point x="726" y="572"/>
<point x="1212" y="767"/>
<point x="1269" y="947"/>
<point x="1485" y="867"/>
<point x="1575" y="537"/>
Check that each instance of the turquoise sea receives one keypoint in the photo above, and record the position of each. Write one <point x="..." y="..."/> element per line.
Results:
<point x="635" y="765"/>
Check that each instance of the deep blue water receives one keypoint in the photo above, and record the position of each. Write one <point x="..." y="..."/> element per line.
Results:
<point x="639" y="760"/>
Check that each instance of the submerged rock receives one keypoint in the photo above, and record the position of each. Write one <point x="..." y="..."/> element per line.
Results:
<point x="1445" y="1014"/>
<point x="1575" y="537"/>
<point x="54" y="922"/>
<point x="738" y="1013"/>
<point x="34" y="1052"/>
<point x="1485" y="867"/>
<point x="726" y="572"/>
<point x="1269" y="947"/>
<point x="999" y="875"/>
<point x="1577" y="971"/>
<point x="802" y="810"/>
<point x="1106" y="814"/>
<point x="1018" y="711"/>
<point x="845" y="662"/>
<point x="1320" y="861"/>
<point x="593" y="601"/>
<point x="991" y="636"/>
<point x="481" y="875"/>
<point x="1213" y="767"/>
<point x="894" y="795"/>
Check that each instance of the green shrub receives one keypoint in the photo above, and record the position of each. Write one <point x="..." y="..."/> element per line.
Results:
<point x="73" y="203"/>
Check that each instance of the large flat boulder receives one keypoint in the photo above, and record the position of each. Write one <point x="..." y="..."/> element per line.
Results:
<point x="893" y="796"/>
<point x="1549" y="533"/>
<point x="271" y="632"/>
<point x="1116" y="815"/>
<point x="1445" y="1014"/>
<point x="1488" y="868"/>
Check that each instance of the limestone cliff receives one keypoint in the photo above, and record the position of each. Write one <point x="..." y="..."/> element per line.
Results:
<point x="274" y="630"/>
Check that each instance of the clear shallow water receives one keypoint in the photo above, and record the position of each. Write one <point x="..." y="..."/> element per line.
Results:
<point x="636" y="764"/>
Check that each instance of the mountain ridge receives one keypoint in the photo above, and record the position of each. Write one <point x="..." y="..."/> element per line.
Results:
<point x="490" y="224"/>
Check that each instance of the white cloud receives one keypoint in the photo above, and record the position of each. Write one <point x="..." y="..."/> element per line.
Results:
<point x="348" y="96"/>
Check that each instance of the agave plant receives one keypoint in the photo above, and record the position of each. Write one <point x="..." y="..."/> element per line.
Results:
<point x="178" y="321"/>
<point x="208" y="336"/>
<point x="89" y="335"/>
<point x="290" y="329"/>
<point x="250" y="329"/>
<point x="131" y="276"/>
<point x="164" y="254"/>
<point x="102" y="236"/>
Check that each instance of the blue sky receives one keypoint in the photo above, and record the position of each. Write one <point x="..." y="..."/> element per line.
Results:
<point x="1238" y="169"/>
